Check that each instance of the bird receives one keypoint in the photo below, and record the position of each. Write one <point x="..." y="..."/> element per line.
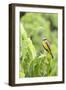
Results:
<point x="46" y="46"/>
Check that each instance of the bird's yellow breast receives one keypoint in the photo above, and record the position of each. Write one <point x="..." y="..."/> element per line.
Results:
<point x="44" y="44"/>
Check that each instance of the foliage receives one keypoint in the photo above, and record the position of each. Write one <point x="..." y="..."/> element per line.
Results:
<point x="34" y="60"/>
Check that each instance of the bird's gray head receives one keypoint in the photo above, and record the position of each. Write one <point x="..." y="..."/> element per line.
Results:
<point x="44" y="38"/>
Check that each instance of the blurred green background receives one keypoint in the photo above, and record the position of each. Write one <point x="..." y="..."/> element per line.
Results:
<point x="34" y="60"/>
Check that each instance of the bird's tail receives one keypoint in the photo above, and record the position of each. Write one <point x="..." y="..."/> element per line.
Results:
<point x="51" y="55"/>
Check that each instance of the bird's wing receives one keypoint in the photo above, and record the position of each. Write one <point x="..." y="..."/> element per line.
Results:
<point x="45" y="46"/>
<point x="48" y="45"/>
<point x="49" y="49"/>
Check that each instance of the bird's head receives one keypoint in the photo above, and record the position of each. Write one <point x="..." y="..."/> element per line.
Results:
<point x="44" y="38"/>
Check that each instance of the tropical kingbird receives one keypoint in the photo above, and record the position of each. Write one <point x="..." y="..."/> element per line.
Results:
<point x="46" y="46"/>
